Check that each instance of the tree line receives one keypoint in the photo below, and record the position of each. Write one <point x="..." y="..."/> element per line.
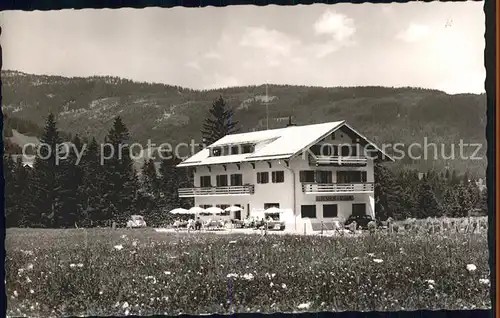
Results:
<point x="66" y="192"/>
<point x="406" y="194"/>
<point x="89" y="193"/>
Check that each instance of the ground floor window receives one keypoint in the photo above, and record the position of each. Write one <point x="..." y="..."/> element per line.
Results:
<point x="358" y="209"/>
<point x="330" y="210"/>
<point x="308" y="211"/>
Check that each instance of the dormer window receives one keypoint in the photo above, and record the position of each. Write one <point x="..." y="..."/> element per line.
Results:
<point x="216" y="152"/>
<point x="247" y="148"/>
<point x="235" y="150"/>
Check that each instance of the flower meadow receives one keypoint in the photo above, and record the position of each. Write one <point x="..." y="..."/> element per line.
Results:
<point x="143" y="272"/>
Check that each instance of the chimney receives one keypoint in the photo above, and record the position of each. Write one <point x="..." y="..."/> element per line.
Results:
<point x="290" y="121"/>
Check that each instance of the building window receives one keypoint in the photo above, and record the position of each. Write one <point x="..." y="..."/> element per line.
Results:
<point x="333" y="136"/>
<point x="307" y="176"/>
<point x="247" y="149"/>
<point x="308" y="211"/>
<point x="236" y="179"/>
<point x="271" y="205"/>
<point x="324" y="176"/>
<point x="263" y="177"/>
<point x="205" y="182"/>
<point x="348" y="151"/>
<point x="235" y="150"/>
<point x="216" y="151"/>
<point x="330" y="210"/>
<point x="221" y="180"/>
<point x="351" y="176"/>
<point x="358" y="209"/>
<point x="278" y="176"/>
<point x="205" y="206"/>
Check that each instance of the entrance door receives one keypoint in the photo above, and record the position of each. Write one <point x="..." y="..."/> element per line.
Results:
<point x="237" y="215"/>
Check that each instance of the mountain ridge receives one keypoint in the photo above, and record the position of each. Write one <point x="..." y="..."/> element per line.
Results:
<point x="167" y="113"/>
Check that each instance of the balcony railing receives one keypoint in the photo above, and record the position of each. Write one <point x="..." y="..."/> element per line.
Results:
<point x="313" y="188"/>
<point x="213" y="191"/>
<point x="337" y="161"/>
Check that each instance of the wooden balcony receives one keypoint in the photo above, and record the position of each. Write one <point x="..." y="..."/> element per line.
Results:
<point x="337" y="188"/>
<point x="216" y="191"/>
<point x="337" y="161"/>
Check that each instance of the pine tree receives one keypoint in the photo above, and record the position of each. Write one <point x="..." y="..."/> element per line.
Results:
<point x="92" y="202"/>
<point x="11" y="211"/>
<point x="220" y="122"/>
<point x="71" y="183"/>
<point x="123" y="183"/>
<point x="149" y="195"/>
<point x="428" y="206"/>
<point x="24" y="208"/>
<point x="46" y="181"/>
<point x="388" y="194"/>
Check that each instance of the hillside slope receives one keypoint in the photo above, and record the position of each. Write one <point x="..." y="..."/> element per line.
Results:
<point x="172" y="114"/>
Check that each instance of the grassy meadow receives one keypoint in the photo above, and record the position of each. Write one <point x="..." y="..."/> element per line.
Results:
<point x="143" y="272"/>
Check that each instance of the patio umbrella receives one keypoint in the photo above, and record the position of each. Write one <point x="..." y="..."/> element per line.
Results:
<point x="214" y="210"/>
<point x="196" y="210"/>
<point x="273" y="210"/>
<point x="233" y="208"/>
<point x="179" y="211"/>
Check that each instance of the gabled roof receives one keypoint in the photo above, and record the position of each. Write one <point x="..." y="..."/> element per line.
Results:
<point x="272" y="144"/>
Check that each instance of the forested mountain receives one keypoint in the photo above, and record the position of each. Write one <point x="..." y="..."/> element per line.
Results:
<point x="173" y="114"/>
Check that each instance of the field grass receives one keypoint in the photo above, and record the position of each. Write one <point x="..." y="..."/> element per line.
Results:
<point x="120" y="272"/>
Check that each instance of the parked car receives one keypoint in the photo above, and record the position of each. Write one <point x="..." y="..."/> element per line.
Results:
<point x="361" y="221"/>
<point x="136" y="221"/>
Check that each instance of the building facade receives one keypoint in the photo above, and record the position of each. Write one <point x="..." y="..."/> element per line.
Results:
<point x="314" y="174"/>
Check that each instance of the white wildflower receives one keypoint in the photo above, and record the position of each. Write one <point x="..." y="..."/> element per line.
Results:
<point x="232" y="242"/>
<point x="100" y="292"/>
<point x="371" y="254"/>
<point x="283" y="286"/>
<point x="484" y="281"/>
<point x="248" y="276"/>
<point x="29" y="267"/>
<point x="125" y="305"/>
<point x="72" y="265"/>
<point x="127" y="312"/>
<point x="167" y="273"/>
<point x="134" y="243"/>
<point x="304" y="305"/>
<point x="118" y="247"/>
<point x="431" y="286"/>
<point x="430" y="281"/>
<point x="16" y="294"/>
<point x="271" y="284"/>
<point x="123" y="236"/>
<point x="471" y="267"/>
<point x="32" y="291"/>
<point x="232" y="275"/>
<point x="377" y="260"/>
<point x="79" y="265"/>
<point x="28" y="280"/>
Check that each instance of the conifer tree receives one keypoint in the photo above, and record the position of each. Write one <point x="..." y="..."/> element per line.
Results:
<point x="92" y="203"/>
<point x="428" y="206"/>
<point x="71" y="184"/>
<point x="219" y="123"/>
<point x="46" y="181"/>
<point x="120" y="173"/>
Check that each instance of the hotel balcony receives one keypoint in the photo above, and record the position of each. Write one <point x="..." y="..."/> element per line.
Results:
<point x="337" y="188"/>
<point x="337" y="161"/>
<point x="216" y="191"/>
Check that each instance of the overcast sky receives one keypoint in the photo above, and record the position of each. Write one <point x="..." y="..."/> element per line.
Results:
<point x="434" y="45"/>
